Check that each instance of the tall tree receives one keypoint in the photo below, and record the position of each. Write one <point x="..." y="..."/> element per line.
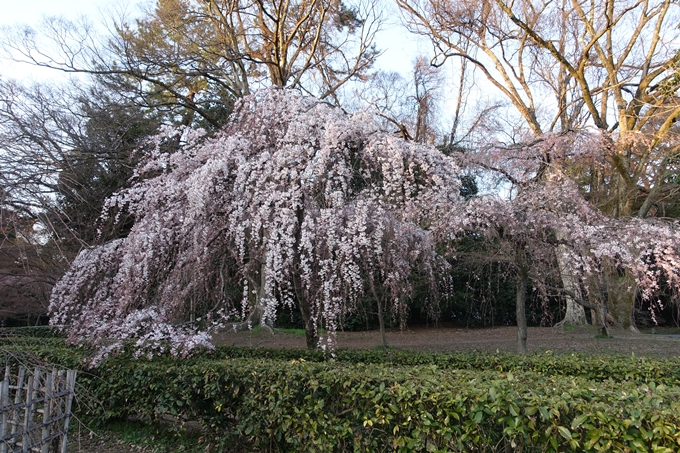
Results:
<point x="29" y="266"/>
<point x="194" y="58"/>
<point x="548" y="223"/>
<point x="607" y="64"/>
<point x="64" y="150"/>
<point x="295" y="202"/>
<point x="409" y="104"/>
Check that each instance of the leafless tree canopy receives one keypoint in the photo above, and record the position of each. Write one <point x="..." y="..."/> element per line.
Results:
<point x="196" y="57"/>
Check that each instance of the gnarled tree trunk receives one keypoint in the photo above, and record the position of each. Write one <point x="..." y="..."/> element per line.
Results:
<point x="621" y="290"/>
<point x="257" y="315"/>
<point x="575" y="314"/>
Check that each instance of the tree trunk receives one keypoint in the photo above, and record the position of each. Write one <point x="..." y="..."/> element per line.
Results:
<point x="598" y="299"/>
<point x="621" y="289"/>
<point x="522" y="282"/>
<point x="602" y="321"/>
<point x="311" y="331"/>
<point x="599" y="316"/>
<point x="381" y="322"/>
<point x="575" y="314"/>
<point x="381" y="319"/>
<point x="257" y="315"/>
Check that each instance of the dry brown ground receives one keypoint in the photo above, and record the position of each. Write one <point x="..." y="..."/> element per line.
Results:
<point x="502" y="339"/>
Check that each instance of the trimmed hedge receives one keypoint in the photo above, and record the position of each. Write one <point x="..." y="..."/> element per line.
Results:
<point x="370" y="401"/>
<point x="31" y="332"/>
<point x="304" y="406"/>
<point x="617" y="368"/>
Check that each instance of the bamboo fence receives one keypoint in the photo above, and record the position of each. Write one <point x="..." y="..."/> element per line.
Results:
<point x="35" y="410"/>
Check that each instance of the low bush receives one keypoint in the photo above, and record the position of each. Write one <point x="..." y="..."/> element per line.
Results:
<point x="616" y="368"/>
<point x="297" y="400"/>
<point x="31" y="332"/>
<point x="305" y="406"/>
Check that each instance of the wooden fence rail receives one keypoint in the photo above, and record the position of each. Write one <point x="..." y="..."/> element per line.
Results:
<point x="35" y="410"/>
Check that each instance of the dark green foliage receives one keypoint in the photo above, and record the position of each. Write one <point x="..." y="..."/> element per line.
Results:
<point x="615" y="369"/>
<point x="300" y="400"/>
<point x="468" y="186"/>
<point x="297" y="405"/>
<point x="101" y="163"/>
<point x="31" y="332"/>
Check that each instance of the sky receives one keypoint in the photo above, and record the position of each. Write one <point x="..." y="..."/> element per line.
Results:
<point x="31" y="12"/>
<point x="400" y="48"/>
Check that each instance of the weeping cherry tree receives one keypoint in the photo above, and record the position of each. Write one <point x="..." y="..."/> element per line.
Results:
<point x="293" y="204"/>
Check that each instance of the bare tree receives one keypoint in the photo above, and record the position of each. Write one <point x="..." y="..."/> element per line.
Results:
<point x="196" y="57"/>
<point x="62" y="152"/>
<point x="427" y="84"/>
<point x="29" y="265"/>
<point x="412" y="105"/>
<point x="605" y="64"/>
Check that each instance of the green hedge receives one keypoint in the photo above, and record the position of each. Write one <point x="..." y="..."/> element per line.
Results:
<point x="304" y="406"/>
<point x="32" y="332"/>
<point x="617" y="368"/>
<point x="370" y="401"/>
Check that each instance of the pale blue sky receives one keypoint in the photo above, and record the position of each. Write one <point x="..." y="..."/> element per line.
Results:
<point x="400" y="48"/>
<point x="30" y="11"/>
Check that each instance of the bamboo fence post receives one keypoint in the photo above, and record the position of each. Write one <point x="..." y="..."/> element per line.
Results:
<point x="15" y="419"/>
<point x="17" y="399"/>
<point x="47" y="409"/>
<point x="4" y="402"/>
<point x="71" y="386"/>
<point x="42" y="392"/>
<point x="26" y="438"/>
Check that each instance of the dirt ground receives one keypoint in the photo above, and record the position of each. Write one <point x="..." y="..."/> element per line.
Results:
<point x="663" y="343"/>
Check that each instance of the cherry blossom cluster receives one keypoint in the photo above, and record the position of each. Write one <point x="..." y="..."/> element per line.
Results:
<point x="294" y="202"/>
<point x="297" y="204"/>
<point x="545" y="209"/>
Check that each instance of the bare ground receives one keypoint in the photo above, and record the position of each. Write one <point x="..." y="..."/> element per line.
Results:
<point x="664" y="343"/>
<point x="501" y="339"/>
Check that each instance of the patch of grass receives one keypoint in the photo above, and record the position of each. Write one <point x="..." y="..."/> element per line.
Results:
<point x="569" y="328"/>
<point x="156" y="437"/>
<point x="601" y="336"/>
<point x="257" y="329"/>
<point x="298" y="331"/>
